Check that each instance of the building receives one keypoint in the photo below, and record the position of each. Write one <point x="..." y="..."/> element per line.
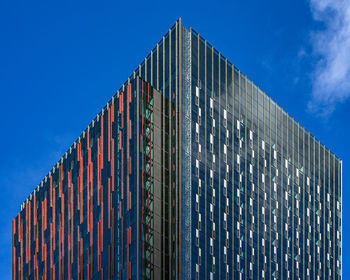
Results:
<point x="189" y="172"/>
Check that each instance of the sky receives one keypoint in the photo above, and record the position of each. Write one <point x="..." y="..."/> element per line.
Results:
<point x="61" y="62"/>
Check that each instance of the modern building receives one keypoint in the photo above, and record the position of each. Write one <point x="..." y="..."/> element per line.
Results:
<point x="189" y="172"/>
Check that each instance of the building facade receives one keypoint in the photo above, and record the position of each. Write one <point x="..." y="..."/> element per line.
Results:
<point x="189" y="172"/>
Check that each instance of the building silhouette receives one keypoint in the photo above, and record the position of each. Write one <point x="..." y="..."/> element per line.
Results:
<point x="189" y="172"/>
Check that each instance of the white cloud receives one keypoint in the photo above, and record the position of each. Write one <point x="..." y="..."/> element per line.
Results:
<point x="331" y="46"/>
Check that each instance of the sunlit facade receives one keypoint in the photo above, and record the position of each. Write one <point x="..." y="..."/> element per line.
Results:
<point x="189" y="172"/>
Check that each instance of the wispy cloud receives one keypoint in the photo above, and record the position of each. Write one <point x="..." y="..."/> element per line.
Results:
<point x="331" y="46"/>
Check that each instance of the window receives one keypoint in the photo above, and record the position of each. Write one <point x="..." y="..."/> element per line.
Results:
<point x="225" y="118"/>
<point x="225" y="187"/>
<point x="225" y="221"/>
<point x="251" y="139"/>
<point x="197" y="96"/>
<point x="225" y="153"/>
<point x="213" y="128"/>
<point x="199" y="115"/>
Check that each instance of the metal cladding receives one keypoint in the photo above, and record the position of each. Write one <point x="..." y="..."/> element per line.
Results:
<point x="189" y="172"/>
<point x="74" y="226"/>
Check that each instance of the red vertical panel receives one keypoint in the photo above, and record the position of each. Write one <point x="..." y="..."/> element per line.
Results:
<point x="62" y="229"/>
<point x="88" y="185"/>
<point x="14" y="267"/>
<point x="129" y="270"/>
<point x="53" y="229"/>
<point x="36" y="236"/>
<point x="129" y="128"/>
<point x="45" y="214"/>
<point x="112" y="146"/>
<point x="109" y="129"/>
<point x="29" y="233"/>
<point x="60" y="183"/>
<point x="109" y="198"/>
<point x="102" y="217"/>
<point x="42" y="228"/>
<point x="129" y="92"/>
<point x="102" y="141"/>
<point x="120" y="140"/>
<point x="90" y="206"/>
<point x="26" y="233"/>
<point x="81" y="182"/>
<point x="91" y="201"/>
<point x="22" y="248"/>
<point x="129" y="235"/>
<point x="99" y="173"/>
<point x="99" y="170"/>
<point x="100" y="237"/>
<point x="121" y="102"/>
<point x="70" y="224"/>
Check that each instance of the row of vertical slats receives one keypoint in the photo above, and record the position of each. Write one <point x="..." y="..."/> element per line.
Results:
<point x="40" y="233"/>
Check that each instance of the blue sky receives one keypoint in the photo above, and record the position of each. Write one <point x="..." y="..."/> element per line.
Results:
<point x="61" y="62"/>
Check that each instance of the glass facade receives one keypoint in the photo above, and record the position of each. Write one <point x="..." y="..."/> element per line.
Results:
<point x="266" y="193"/>
<point x="190" y="172"/>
